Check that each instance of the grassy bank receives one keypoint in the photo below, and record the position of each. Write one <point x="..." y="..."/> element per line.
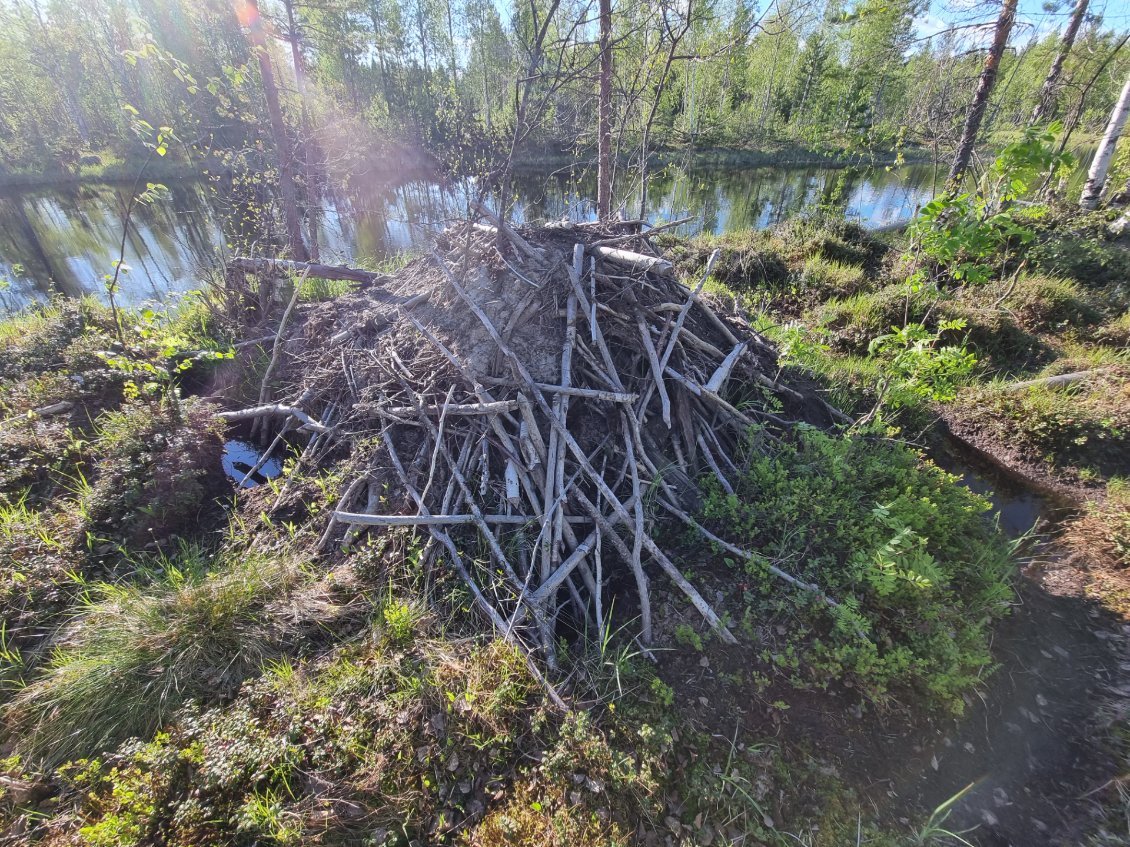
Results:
<point x="184" y="663"/>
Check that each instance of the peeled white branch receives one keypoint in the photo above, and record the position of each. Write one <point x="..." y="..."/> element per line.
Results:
<point x="633" y="260"/>
<point x="275" y="409"/>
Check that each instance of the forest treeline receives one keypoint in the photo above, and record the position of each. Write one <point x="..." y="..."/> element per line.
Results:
<point x="92" y="83"/>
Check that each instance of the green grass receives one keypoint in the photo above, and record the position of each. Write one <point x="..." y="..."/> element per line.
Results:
<point x="1085" y="424"/>
<point x="135" y="653"/>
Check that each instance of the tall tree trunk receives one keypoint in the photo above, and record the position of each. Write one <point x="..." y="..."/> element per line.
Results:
<point x="1045" y="103"/>
<point x="278" y="129"/>
<point x="310" y="151"/>
<point x="1096" y="178"/>
<point x="604" y="131"/>
<point x="379" y="48"/>
<point x="981" y="97"/>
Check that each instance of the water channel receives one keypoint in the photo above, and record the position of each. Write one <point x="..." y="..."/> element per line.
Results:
<point x="66" y="239"/>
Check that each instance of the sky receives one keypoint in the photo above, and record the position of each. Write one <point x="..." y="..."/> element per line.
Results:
<point x="1032" y="17"/>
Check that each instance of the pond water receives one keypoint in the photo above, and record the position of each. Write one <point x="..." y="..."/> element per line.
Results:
<point x="66" y="239"/>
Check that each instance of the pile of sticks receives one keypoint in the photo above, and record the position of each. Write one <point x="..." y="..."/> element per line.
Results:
<point x="538" y="484"/>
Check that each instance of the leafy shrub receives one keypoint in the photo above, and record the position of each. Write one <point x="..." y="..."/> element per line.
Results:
<point x="917" y="358"/>
<point x="134" y="654"/>
<point x="962" y="233"/>
<point x="905" y="550"/>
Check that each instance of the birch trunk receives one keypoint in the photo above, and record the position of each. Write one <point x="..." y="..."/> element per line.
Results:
<point x="981" y="98"/>
<point x="1096" y="178"/>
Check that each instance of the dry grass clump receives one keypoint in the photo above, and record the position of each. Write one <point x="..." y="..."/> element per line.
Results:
<point x="134" y="654"/>
<point x="1102" y="532"/>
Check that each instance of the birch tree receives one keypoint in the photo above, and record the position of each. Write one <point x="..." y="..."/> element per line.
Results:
<point x="1096" y="178"/>
<point x="981" y="96"/>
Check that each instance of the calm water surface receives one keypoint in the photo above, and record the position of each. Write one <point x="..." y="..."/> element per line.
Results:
<point x="67" y="239"/>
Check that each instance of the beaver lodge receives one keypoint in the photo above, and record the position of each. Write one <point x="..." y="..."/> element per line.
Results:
<point x="534" y="400"/>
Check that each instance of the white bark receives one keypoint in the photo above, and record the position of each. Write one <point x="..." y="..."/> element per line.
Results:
<point x="1096" y="178"/>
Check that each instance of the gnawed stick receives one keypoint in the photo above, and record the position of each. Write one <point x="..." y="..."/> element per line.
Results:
<point x="647" y="233"/>
<point x="635" y="562"/>
<point x="588" y="393"/>
<point x="372" y="500"/>
<point x="349" y="494"/>
<point x="631" y="259"/>
<point x="366" y="519"/>
<point x="264" y="386"/>
<point x="480" y="599"/>
<point x="563" y="409"/>
<point x="512" y="236"/>
<point x="664" y="562"/>
<point x="705" y="450"/>
<point x="745" y="554"/>
<point x="719" y="377"/>
<point x="277" y="409"/>
<point x="264" y="457"/>
<point x="715" y="398"/>
<point x="459" y="409"/>
<point x="681" y="319"/>
<point x="656" y="369"/>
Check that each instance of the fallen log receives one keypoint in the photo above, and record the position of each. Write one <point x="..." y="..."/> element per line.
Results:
<point x="274" y="409"/>
<point x="633" y="260"/>
<point x="285" y="266"/>
<point x="1053" y="381"/>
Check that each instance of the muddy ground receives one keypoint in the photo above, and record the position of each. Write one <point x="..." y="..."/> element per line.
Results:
<point x="1032" y="742"/>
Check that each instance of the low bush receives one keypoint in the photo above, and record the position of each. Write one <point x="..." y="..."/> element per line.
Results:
<point x="382" y="741"/>
<point x="854" y="321"/>
<point x="830" y="277"/>
<point x="1087" y="260"/>
<point x="156" y="461"/>
<point x="135" y="653"/>
<point x="917" y="570"/>
<point x="1049" y="304"/>
<point x="1102" y="532"/>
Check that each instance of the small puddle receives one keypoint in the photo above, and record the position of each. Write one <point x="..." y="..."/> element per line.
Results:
<point x="239" y="457"/>
<point x="1018" y="506"/>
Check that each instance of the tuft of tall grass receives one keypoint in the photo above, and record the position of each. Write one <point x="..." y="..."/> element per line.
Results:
<point x="135" y="653"/>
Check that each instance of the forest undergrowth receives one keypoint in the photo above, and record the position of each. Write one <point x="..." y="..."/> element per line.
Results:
<point x="179" y="664"/>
